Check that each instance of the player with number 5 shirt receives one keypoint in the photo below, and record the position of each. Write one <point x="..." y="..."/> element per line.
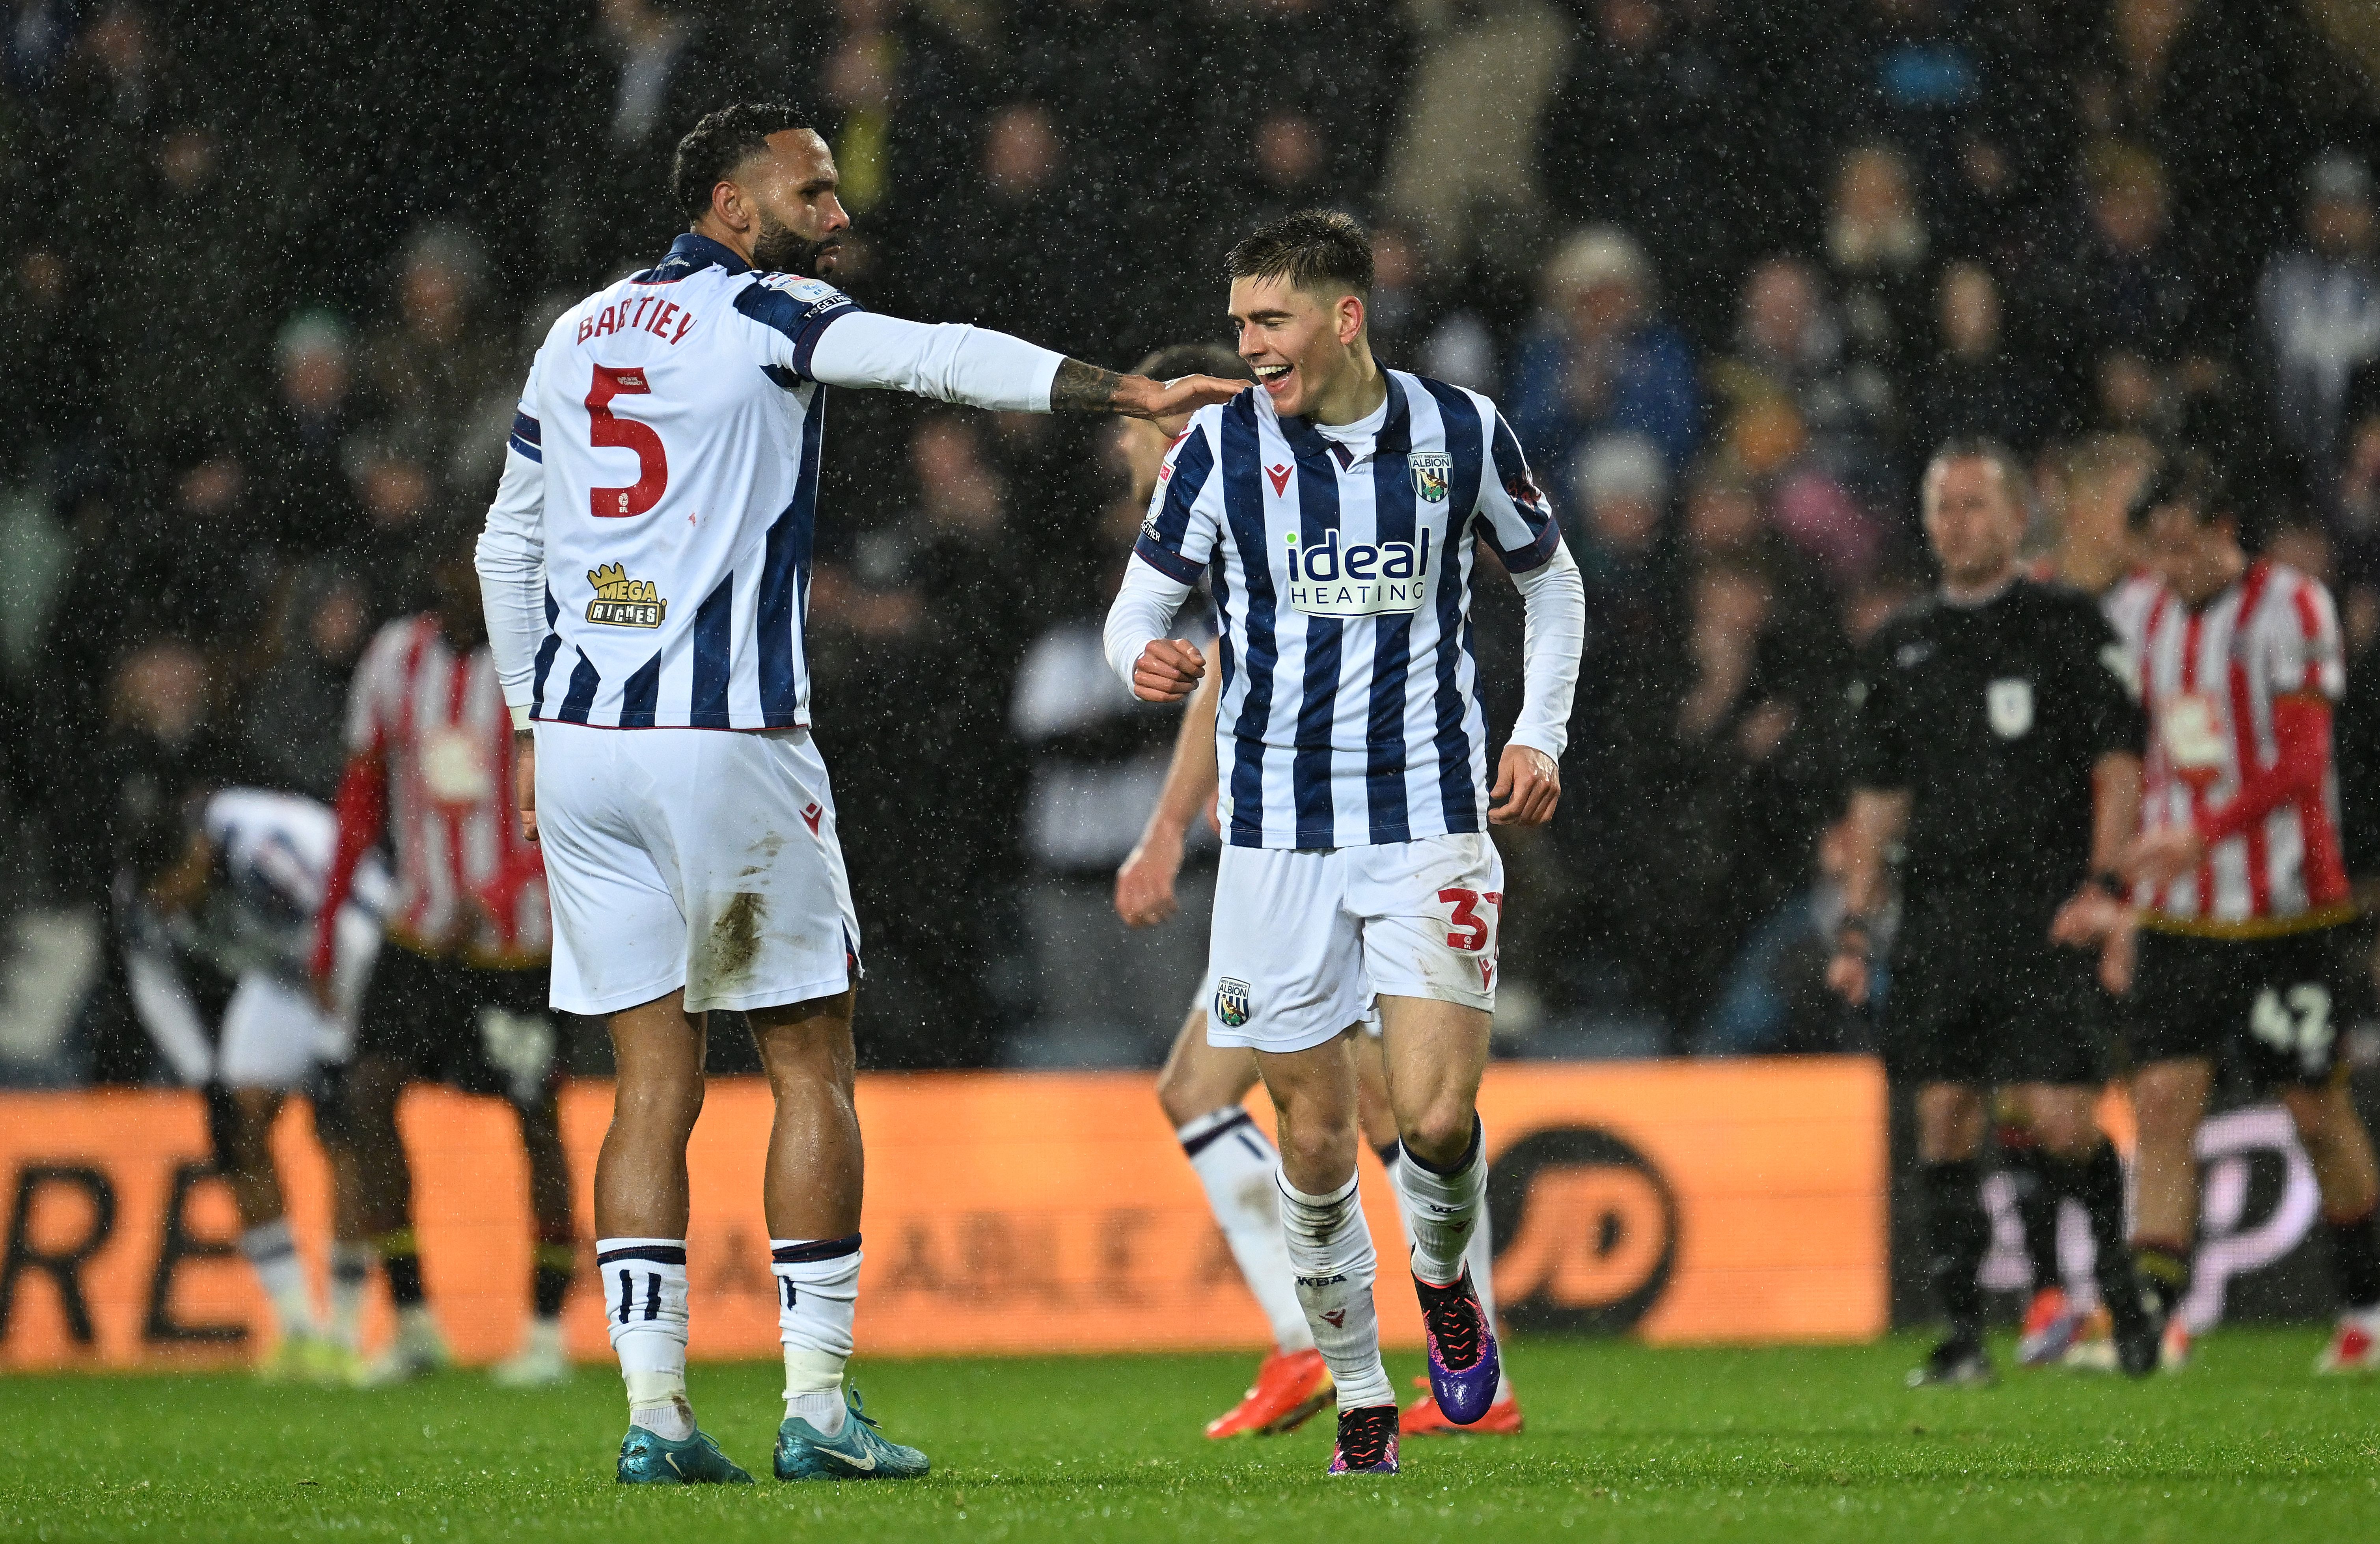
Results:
<point x="646" y="569"/>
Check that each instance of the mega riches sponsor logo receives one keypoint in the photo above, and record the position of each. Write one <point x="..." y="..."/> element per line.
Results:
<point x="621" y="602"/>
<point x="1365" y="580"/>
<point x="1586" y="1230"/>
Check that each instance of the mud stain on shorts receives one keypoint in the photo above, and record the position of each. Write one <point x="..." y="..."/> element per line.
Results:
<point x="732" y="945"/>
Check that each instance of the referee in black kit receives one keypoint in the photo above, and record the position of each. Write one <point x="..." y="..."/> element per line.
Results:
<point x="1996" y="736"/>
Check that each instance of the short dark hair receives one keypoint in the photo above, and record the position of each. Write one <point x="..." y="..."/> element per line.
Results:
<point x="2187" y="480"/>
<point x="1982" y="447"/>
<point x="720" y="142"/>
<point x="1195" y="359"/>
<point x="1317" y="249"/>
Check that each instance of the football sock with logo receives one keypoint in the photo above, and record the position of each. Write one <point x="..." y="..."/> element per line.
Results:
<point x="817" y="1298"/>
<point x="273" y="1255"/>
<point x="2163" y="1266"/>
<point x="2097" y="1185"/>
<point x="1958" y="1233"/>
<point x="644" y="1304"/>
<point x="2355" y="1260"/>
<point x="351" y="1263"/>
<point x="1239" y="1169"/>
<point x="1331" y="1250"/>
<point x="400" y="1262"/>
<point x="554" y="1263"/>
<point x="1442" y="1207"/>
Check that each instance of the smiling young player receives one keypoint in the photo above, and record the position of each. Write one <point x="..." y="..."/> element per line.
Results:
<point x="1202" y="1086"/>
<point x="1335" y="514"/>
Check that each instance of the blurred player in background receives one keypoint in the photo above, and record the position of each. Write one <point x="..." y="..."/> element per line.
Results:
<point x="1333" y="512"/>
<point x="1996" y="742"/>
<point x="2245" y="947"/>
<point x="1202" y="1088"/>
<point x="221" y="930"/>
<point x="646" y="568"/>
<point x="459" y="996"/>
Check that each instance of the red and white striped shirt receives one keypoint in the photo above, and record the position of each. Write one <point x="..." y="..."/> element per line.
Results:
<point x="2213" y="682"/>
<point x="429" y="743"/>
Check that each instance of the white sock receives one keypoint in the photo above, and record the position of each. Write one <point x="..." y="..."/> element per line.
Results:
<point x="817" y="1298"/>
<point x="644" y="1302"/>
<point x="351" y="1264"/>
<point x="1331" y="1250"/>
<point x="273" y="1255"/>
<point x="1241" y="1170"/>
<point x="1443" y="1210"/>
<point x="545" y="1336"/>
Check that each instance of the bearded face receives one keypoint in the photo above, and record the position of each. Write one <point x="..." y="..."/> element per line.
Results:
<point x="779" y="249"/>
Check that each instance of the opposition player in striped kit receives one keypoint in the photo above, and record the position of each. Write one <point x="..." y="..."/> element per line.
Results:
<point x="2243" y="885"/>
<point x="646" y="569"/>
<point x="1203" y="1088"/>
<point x="221" y="928"/>
<point x="1334" y="514"/>
<point x="459" y="995"/>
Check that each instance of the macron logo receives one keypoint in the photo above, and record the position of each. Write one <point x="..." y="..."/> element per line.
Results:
<point x="1279" y="476"/>
<point x="1337" y="1318"/>
<point x="810" y="817"/>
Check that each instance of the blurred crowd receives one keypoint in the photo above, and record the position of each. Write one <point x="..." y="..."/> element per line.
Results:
<point x="1730" y="267"/>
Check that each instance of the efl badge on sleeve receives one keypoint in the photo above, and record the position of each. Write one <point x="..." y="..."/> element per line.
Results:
<point x="1431" y="472"/>
<point x="2009" y="704"/>
<point x="1232" y="1001"/>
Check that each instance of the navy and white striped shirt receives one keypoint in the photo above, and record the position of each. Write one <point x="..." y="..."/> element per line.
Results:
<point x="676" y="427"/>
<point x="1341" y="563"/>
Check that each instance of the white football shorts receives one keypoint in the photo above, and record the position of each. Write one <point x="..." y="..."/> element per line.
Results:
<point x="273" y="1033"/>
<point x="703" y="858"/>
<point x="1304" y="939"/>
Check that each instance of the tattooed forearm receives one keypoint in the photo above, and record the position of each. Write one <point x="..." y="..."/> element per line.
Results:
<point x="1081" y="388"/>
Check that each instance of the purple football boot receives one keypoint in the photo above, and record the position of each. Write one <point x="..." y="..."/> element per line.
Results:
<point x="1367" y="1441"/>
<point x="1464" y="1365"/>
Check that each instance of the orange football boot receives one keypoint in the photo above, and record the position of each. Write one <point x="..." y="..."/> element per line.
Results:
<point x="1290" y="1387"/>
<point x="1424" y="1418"/>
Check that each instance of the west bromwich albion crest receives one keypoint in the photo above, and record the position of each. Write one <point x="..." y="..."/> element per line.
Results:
<point x="1431" y="472"/>
<point x="1232" y="1001"/>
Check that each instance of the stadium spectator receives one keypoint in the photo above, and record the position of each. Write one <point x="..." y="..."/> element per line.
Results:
<point x="2318" y="311"/>
<point x="437" y="359"/>
<point x="1973" y="385"/>
<point x="306" y="505"/>
<point x="2126" y="283"/>
<point x="1790" y="355"/>
<point x="1880" y="267"/>
<point x="1600" y="359"/>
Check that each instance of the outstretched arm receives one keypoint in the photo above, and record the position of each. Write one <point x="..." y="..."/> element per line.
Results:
<point x="1144" y="884"/>
<point x="953" y="363"/>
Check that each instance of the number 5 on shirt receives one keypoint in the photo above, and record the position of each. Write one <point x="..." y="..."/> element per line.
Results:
<point x="604" y="429"/>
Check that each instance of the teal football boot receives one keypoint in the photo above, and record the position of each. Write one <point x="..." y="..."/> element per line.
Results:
<point x="648" y="1459"/>
<point x="858" y="1452"/>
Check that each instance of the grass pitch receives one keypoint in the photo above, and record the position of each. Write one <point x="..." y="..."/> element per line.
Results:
<point x="1623" y="1444"/>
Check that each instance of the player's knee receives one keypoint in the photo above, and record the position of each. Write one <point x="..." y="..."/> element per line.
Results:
<point x="1440" y="1131"/>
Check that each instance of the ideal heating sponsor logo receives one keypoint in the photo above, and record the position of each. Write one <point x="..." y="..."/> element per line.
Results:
<point x="1326" y="580"/>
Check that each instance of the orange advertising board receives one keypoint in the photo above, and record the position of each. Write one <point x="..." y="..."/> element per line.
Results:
<point x="1738" y="1200"/>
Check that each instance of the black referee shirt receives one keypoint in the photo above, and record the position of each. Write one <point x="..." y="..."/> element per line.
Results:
<point x="1992" y="717"/>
